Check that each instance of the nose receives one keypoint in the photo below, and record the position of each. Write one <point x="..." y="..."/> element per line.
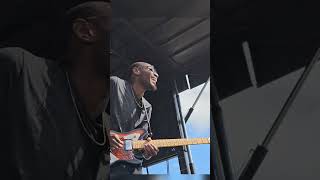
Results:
<point x="156" y="74"/>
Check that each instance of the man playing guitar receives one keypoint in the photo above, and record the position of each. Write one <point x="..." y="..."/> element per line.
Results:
<point x="129" y="110"/>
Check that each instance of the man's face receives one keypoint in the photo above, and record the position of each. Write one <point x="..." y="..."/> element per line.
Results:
<point x="102" y="43"/>
<point x="91" y="34"/>
<point x="148" y="76"/>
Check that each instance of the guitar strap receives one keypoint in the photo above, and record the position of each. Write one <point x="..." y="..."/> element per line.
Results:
<point x="148" y="121"/>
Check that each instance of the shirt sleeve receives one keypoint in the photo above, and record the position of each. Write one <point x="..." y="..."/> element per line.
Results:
<point x="11" y="63"/>
<point x="113" y="83"/>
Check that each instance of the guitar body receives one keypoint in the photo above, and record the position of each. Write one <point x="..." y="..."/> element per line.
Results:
<point x="126" y="154"/>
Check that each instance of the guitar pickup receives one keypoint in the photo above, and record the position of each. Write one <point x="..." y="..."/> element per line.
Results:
<point x="127" y="144"/>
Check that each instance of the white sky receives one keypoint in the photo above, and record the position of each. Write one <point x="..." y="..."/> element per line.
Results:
<point x="199" y="120"/>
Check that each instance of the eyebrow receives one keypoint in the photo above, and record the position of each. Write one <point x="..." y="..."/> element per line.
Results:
<point x="150" y="66"/>
<point x="95" y="17"/>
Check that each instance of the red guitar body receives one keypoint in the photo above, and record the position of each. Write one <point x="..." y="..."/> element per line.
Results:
<point x="126" y="154"/>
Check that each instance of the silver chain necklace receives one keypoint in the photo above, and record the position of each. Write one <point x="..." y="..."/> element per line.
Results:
<point x="135" y="99"/>
<point x="104" y="116"/>
<point x="145" y="110"/>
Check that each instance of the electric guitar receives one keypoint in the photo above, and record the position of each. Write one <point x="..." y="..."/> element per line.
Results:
<point x="133" y="140"/>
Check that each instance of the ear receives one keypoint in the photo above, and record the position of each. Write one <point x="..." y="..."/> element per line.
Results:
<point x="84" y="30"/>
<point x="136" y="71"/>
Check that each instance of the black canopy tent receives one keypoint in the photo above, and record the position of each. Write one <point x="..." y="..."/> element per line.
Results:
<point x="33" y="25"/>
<point x="282" y="36"/>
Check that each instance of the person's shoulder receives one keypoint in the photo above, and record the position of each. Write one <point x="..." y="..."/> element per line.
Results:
<point x="12" y="58"/>
<point x="117" y="80"/>
<point x="23" y="60"/>
<point x="16" y="54"/>
<point x="13" y="54"/>
<point x="9" y="51"/>
<point x="114" y="78"/>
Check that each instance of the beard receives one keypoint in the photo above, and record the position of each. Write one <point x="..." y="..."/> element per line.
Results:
<point x="148" y="85"/>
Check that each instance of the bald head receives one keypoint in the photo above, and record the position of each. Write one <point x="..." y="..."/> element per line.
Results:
<point x="89" y="9"/>
<point x="138" y="64"/>
<point x="144" y="74"/>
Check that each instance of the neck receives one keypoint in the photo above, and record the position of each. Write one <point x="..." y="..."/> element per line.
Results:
<point x="82" y="64"/>
<point x="138" y="90"/>
<point x="91" y="86"/>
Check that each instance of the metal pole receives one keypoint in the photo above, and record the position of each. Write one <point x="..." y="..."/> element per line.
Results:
<point x="195" y="102"/>
<point x="221" y="136"/>
<point x="182" y="155"/>
<point x="216" y="168"/>
<point x="183" y="126"/>
<point x="261" y="151"/>
<point x="290" y="100"/>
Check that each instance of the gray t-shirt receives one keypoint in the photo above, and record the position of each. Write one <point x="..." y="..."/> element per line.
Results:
<point x="125" y="113"/>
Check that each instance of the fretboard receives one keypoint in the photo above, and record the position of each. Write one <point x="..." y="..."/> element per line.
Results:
<point x="171" y="142"/>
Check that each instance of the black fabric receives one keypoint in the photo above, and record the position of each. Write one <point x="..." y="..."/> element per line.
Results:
<point x="41" y="135"/>
<point x="120" y="169"/>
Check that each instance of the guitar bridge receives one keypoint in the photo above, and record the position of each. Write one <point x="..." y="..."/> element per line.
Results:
<point x="127" y="145"/>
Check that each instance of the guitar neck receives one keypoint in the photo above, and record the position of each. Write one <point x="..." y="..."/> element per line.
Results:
<point x="171" y="142"/>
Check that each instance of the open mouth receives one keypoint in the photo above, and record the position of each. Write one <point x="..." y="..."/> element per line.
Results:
<point x="154" y="80"/>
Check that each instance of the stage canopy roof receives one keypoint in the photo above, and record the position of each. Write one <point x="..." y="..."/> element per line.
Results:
<point x="282" y="36"/>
